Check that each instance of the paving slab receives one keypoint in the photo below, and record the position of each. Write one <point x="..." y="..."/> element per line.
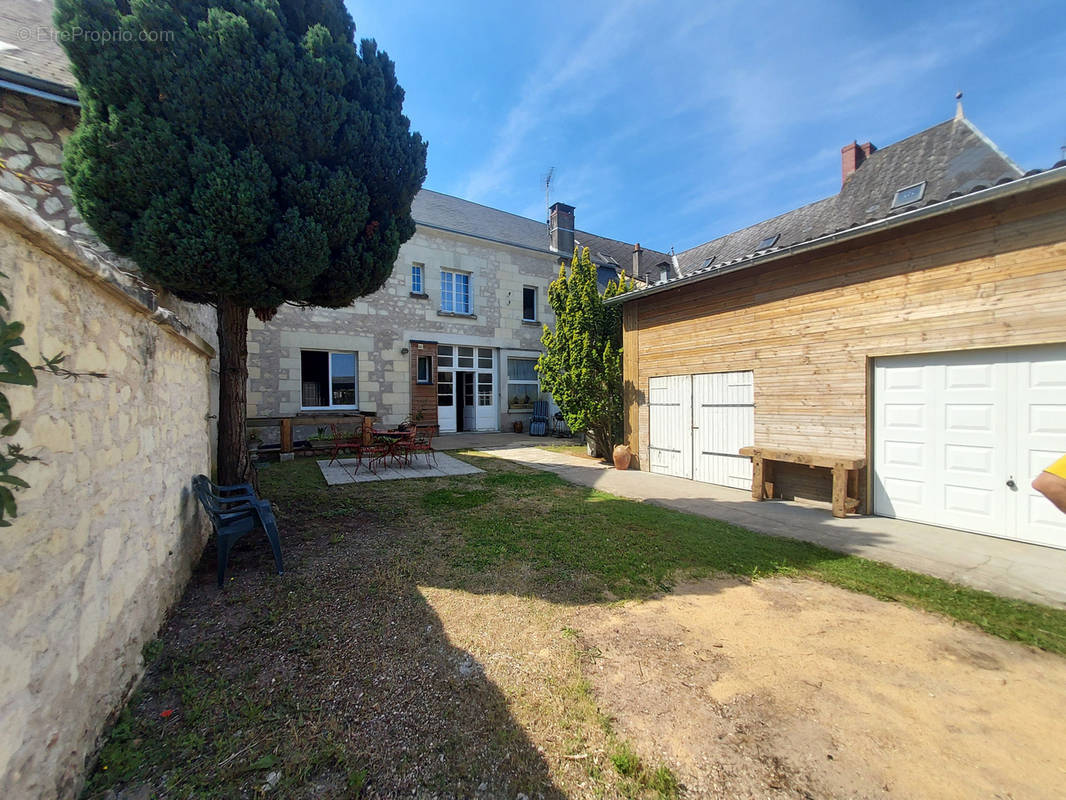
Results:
<point x="1005" y="567"/>
<point x="348" y="470"/>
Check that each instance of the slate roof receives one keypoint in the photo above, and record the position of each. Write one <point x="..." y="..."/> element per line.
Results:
<point x="952" y="158"/>
<point x="619" y="255"/>
<point x="27" y="49"/>
<point x="462" y="216"/>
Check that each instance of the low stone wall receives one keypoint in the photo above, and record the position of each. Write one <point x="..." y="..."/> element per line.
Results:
<point x="107" y="533"/>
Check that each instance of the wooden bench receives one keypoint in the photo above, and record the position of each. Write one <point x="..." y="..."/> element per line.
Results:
<point x="845" y="474"/>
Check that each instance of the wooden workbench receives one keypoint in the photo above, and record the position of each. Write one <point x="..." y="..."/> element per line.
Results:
<point x="845" y="474"/>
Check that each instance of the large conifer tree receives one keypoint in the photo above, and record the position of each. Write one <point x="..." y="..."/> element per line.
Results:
<point x="244" y="153"/>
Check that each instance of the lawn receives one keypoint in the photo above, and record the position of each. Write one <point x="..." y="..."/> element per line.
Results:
<point x="422" y="641"/>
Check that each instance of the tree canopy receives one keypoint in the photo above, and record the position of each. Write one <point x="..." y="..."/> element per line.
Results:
<point x="243" y="149"/>
<point x="582" y="361"/>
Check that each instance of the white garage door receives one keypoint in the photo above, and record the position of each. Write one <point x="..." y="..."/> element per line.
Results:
<point x="723" y="421"/>
<point x="670" y="424"/>
<point x="958" y="437"/>
<point x="697" y="425"/>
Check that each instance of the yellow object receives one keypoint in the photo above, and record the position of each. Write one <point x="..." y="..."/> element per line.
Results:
<point x="1058" y="468"/>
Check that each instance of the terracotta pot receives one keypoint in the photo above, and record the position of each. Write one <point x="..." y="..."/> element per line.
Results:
<point x="622" y="456"/>
<point x="517" y="425"/>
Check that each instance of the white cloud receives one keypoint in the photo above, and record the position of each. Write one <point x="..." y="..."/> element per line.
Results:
<point x="549" y="94"/>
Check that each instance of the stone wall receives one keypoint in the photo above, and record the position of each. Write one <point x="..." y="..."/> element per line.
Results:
<point x="107" y="533"/>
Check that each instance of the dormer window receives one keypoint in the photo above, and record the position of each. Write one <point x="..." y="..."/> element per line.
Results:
<point x="768" y="242"/>
<point x="908" y="195"/>
<point x="664" y="273"/>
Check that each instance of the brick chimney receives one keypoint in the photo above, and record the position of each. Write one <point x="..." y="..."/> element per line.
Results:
<point x="561" y="228"/>
<point x="852" y="157"/>
<point x="636" y="259"/>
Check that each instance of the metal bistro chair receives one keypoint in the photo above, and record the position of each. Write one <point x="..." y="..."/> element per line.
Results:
<point x="353" y="442"/>
<point x="422" y="443"/>
<point x="235" y="511"/>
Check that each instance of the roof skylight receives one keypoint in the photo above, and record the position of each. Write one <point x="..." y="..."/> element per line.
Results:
<point x="707" y="262"/>
<point x="908" y="195"/>
<point x="768" y="242"/>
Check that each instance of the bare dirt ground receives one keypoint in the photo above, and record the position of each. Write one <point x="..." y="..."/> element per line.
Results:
<point x="792" y="688"/>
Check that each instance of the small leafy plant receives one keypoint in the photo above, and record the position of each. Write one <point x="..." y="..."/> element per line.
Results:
<point x="15" y="370"/>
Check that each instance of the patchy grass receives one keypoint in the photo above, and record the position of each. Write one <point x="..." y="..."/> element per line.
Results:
<point x="581" y="545"/>
<point x="340" y="679"/>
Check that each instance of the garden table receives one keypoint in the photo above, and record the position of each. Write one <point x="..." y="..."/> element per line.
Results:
<point x="393" y="445"/>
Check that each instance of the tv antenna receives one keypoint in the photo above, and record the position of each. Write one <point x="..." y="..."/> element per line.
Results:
<point x="547" y="200"/>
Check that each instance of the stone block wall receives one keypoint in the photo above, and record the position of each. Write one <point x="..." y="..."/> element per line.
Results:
<point x="107" y="533"/>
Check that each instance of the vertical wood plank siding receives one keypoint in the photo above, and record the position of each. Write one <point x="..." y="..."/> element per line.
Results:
<point x="807" y="325"/>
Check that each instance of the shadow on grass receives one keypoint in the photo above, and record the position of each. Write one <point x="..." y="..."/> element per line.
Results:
<point x="335" y="680"/>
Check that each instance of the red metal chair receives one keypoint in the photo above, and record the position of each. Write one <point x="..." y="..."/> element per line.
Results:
<point x="422" y="443"/>
<point x="353" y="442"/>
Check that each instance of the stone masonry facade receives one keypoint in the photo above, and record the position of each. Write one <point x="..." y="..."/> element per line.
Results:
<point x="379" y="328"/>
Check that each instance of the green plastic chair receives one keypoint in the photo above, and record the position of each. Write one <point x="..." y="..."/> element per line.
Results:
<point x="235" y="511"/>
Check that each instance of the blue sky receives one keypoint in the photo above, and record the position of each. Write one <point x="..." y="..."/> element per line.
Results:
<point x="671" y="123"/>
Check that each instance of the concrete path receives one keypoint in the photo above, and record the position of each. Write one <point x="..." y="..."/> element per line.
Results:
<point x="1011" y="569"/>
<point x="349" y="470"/>
<point x="490" y="441"/>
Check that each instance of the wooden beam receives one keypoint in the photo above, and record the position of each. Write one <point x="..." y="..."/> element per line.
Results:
<point x="840" y="491"/>
<point x="809" y="459"/>
<point x="286" y="435"/>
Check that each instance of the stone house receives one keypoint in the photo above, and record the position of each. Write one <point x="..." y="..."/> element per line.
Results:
<point x="452" y="336"/>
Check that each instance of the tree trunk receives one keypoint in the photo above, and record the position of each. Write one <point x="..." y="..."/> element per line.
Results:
<point x="234" y="463"/>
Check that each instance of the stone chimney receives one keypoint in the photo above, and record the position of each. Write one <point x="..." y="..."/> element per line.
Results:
<point x="852" y="157"/>
<point x="636" y="259"/>
<point x="561" y="228"/>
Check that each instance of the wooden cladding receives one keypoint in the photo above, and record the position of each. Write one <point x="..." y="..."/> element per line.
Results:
<point x="807" y="325"/>
<point x="424" y="395"/>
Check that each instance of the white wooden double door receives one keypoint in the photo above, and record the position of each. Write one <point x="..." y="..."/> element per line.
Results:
<point x="959" y="437"/>
<point x="697" y="423"/>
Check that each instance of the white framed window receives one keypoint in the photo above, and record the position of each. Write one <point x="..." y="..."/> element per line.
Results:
<point x="529" y="303"/>
<point x="329" y="379"/>
<point x="523" y="384"/>
<point x="425" y="369"/>
<point x="417" y="278"/>
<point x="445" y="389"/>
<point x="455" y="292"/>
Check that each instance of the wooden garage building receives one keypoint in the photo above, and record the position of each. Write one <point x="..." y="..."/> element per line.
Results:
<point x="916" y="321"/>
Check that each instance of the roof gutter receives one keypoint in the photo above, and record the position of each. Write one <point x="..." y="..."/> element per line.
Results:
<point x="37" y="87"/>
<point x="1015" y="187"/>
